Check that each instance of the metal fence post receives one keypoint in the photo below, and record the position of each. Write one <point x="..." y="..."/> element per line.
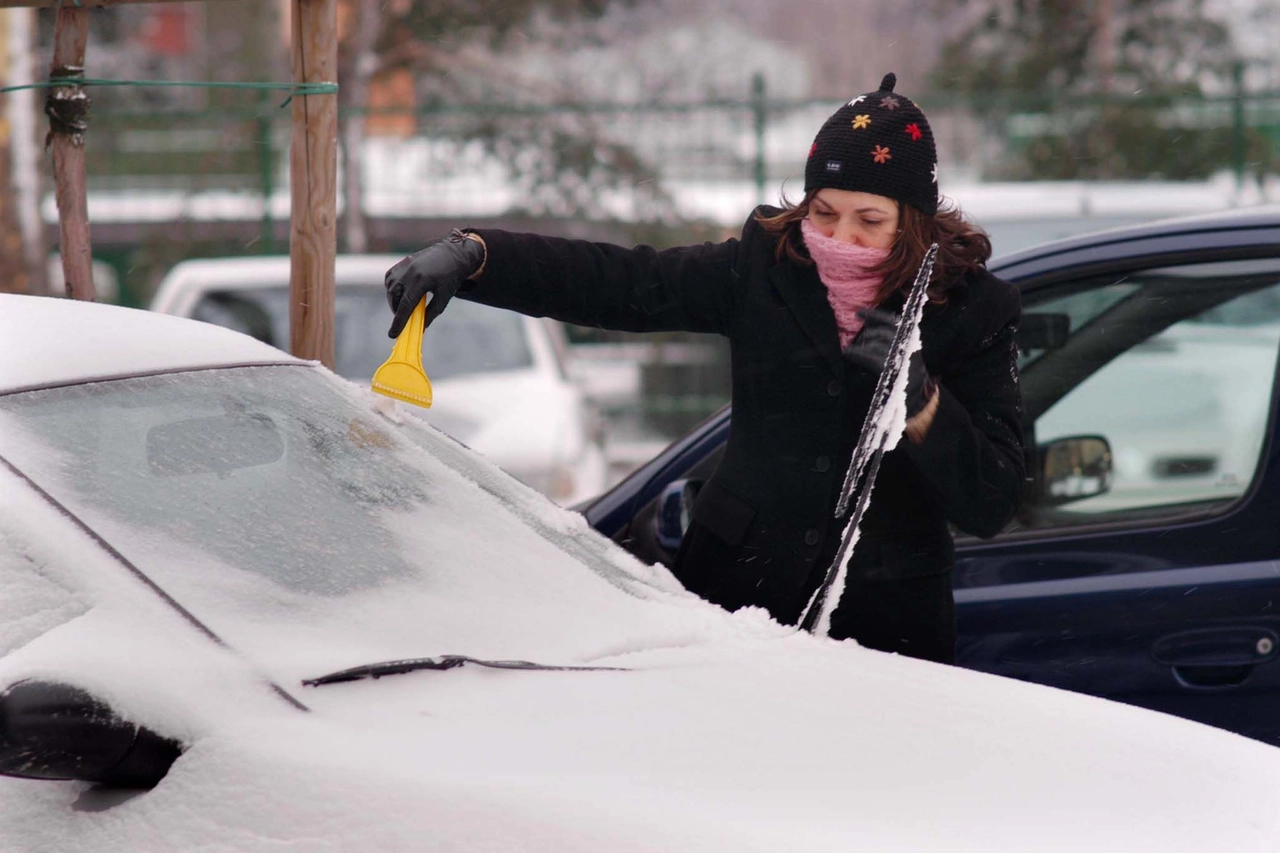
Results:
<point x="1237" y="130"/>
<point x="266" y="176"/>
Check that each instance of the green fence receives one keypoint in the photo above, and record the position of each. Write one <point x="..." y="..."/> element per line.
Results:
<point x="633" y="160"/>
<point x="190" y="173"/>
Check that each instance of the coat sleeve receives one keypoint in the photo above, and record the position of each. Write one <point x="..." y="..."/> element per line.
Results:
<point x="972" y="453"/>
<point x="690" y="288"/>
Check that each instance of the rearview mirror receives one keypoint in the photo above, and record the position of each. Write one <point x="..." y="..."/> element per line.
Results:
<point x="55" y="731"/>
<point x="675" y="510"/>
<point x="1042" y="331"/>
<point x="213" y="445"/>
<point x="1074" y="468"/>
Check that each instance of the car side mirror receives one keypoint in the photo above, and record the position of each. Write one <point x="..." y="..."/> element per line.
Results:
<point x="675" y="511"/>
<point x="55" y="731"/>
<point x="1042" y="331"/>
<point x="1074" y="468"/>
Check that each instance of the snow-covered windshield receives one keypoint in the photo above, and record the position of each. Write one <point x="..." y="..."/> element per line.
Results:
<point x="309" y="531"/>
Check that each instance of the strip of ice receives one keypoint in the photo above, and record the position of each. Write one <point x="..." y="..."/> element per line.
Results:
<point x="886" y="420"/>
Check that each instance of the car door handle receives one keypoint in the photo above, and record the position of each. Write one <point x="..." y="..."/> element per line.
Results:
<point x="1215" y="658"/>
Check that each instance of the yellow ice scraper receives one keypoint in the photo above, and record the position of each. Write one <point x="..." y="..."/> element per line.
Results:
<point x="401" y="376"/>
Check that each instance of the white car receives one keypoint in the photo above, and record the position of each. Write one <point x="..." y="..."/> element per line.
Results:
<point x="245" y="605"/>
<point x="499" y="378"/>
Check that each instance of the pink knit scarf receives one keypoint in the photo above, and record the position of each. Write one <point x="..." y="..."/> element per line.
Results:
<point x="844" y="269"/>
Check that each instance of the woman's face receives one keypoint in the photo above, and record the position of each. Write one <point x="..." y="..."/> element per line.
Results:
<point x="855" y="217"/>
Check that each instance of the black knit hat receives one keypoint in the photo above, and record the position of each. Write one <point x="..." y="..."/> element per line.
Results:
<point x="877" y="143"/>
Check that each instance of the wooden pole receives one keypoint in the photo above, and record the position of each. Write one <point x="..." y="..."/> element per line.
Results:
<point x="313" y="173"/>
<point x="68" y="111"/>
<point x="24" y="150"/>
<point x="12" y="275"/>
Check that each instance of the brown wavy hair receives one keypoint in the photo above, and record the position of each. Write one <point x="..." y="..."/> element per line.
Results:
<point x="962" y="245"/>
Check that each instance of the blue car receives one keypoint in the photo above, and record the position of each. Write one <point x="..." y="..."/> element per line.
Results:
<point x="1144" y="566"/>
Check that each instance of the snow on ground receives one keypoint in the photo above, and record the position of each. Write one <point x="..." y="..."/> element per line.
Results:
<point x="412" y="178"/>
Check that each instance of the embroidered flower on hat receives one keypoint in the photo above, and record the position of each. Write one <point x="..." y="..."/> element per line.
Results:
<point x="881" y="154"/>
<point x="813" y="149"/>
<point x="889" y="102"/>
<point x="935" y="173"/>
<point x="859" y="122"/>
<point x="856" y="101"/>
<point x="913" y="130"/>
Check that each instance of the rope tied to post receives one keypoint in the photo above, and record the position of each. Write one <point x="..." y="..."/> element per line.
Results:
<point x="67" y="105"/>
<point x="73" y="78"/>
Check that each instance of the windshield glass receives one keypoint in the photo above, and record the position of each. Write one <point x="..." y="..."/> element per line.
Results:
<point x="467" y="339"/>
<point x="312" y="533"/>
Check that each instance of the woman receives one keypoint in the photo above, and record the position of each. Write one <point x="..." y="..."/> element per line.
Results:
<point x="808" y="297"/>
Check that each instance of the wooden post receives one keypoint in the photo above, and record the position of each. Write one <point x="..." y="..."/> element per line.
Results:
<point x="313" y="173"/>
<point x="24" y="150"/>
<point x="68" y="111"/>
<point x="12" y="273"/>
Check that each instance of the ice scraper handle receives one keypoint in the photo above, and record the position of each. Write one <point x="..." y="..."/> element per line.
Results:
<point x="401" y="376"/>
<point x="869" y="350"/>
<point x="438" y="270"/>
<point x="408" y="345"/>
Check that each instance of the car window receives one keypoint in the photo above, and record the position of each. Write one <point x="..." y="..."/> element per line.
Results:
<point x="467" y="339"/>
<point x="1175" y="369"/>
<point x="1077" y="309"/>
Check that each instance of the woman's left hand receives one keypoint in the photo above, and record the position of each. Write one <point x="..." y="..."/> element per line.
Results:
<point x="869" y="350"/>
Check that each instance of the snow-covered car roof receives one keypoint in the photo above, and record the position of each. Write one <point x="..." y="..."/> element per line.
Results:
<point x="46" y="341"/>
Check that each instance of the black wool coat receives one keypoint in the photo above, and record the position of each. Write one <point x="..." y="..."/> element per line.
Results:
<point x="763" y="530"/>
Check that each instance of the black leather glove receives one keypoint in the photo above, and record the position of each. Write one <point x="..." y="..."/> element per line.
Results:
<point x="440" y="269"/>
<point x="870" y="349"/>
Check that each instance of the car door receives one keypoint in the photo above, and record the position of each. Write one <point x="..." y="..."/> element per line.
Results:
<point x="1149" y="573"/>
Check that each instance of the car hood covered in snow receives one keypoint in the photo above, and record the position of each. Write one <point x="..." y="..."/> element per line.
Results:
<point x="753" y="741"/>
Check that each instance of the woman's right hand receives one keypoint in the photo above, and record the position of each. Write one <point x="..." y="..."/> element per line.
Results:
<point x="439" y="270"/>
<point x="869" y="350"/>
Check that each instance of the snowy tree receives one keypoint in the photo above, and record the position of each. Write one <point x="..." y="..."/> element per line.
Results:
<point x="1102" y="74"/>
<point x="449" y="58"/>
<point x="850" y="44"/>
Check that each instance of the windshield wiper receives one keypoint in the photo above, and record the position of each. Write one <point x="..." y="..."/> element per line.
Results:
<point x="396" y="667"/>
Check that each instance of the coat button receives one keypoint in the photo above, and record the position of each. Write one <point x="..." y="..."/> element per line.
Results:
<point x="822" y="463"/>
<point x="833" y="388"/>
<point x="811" y="537"/>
